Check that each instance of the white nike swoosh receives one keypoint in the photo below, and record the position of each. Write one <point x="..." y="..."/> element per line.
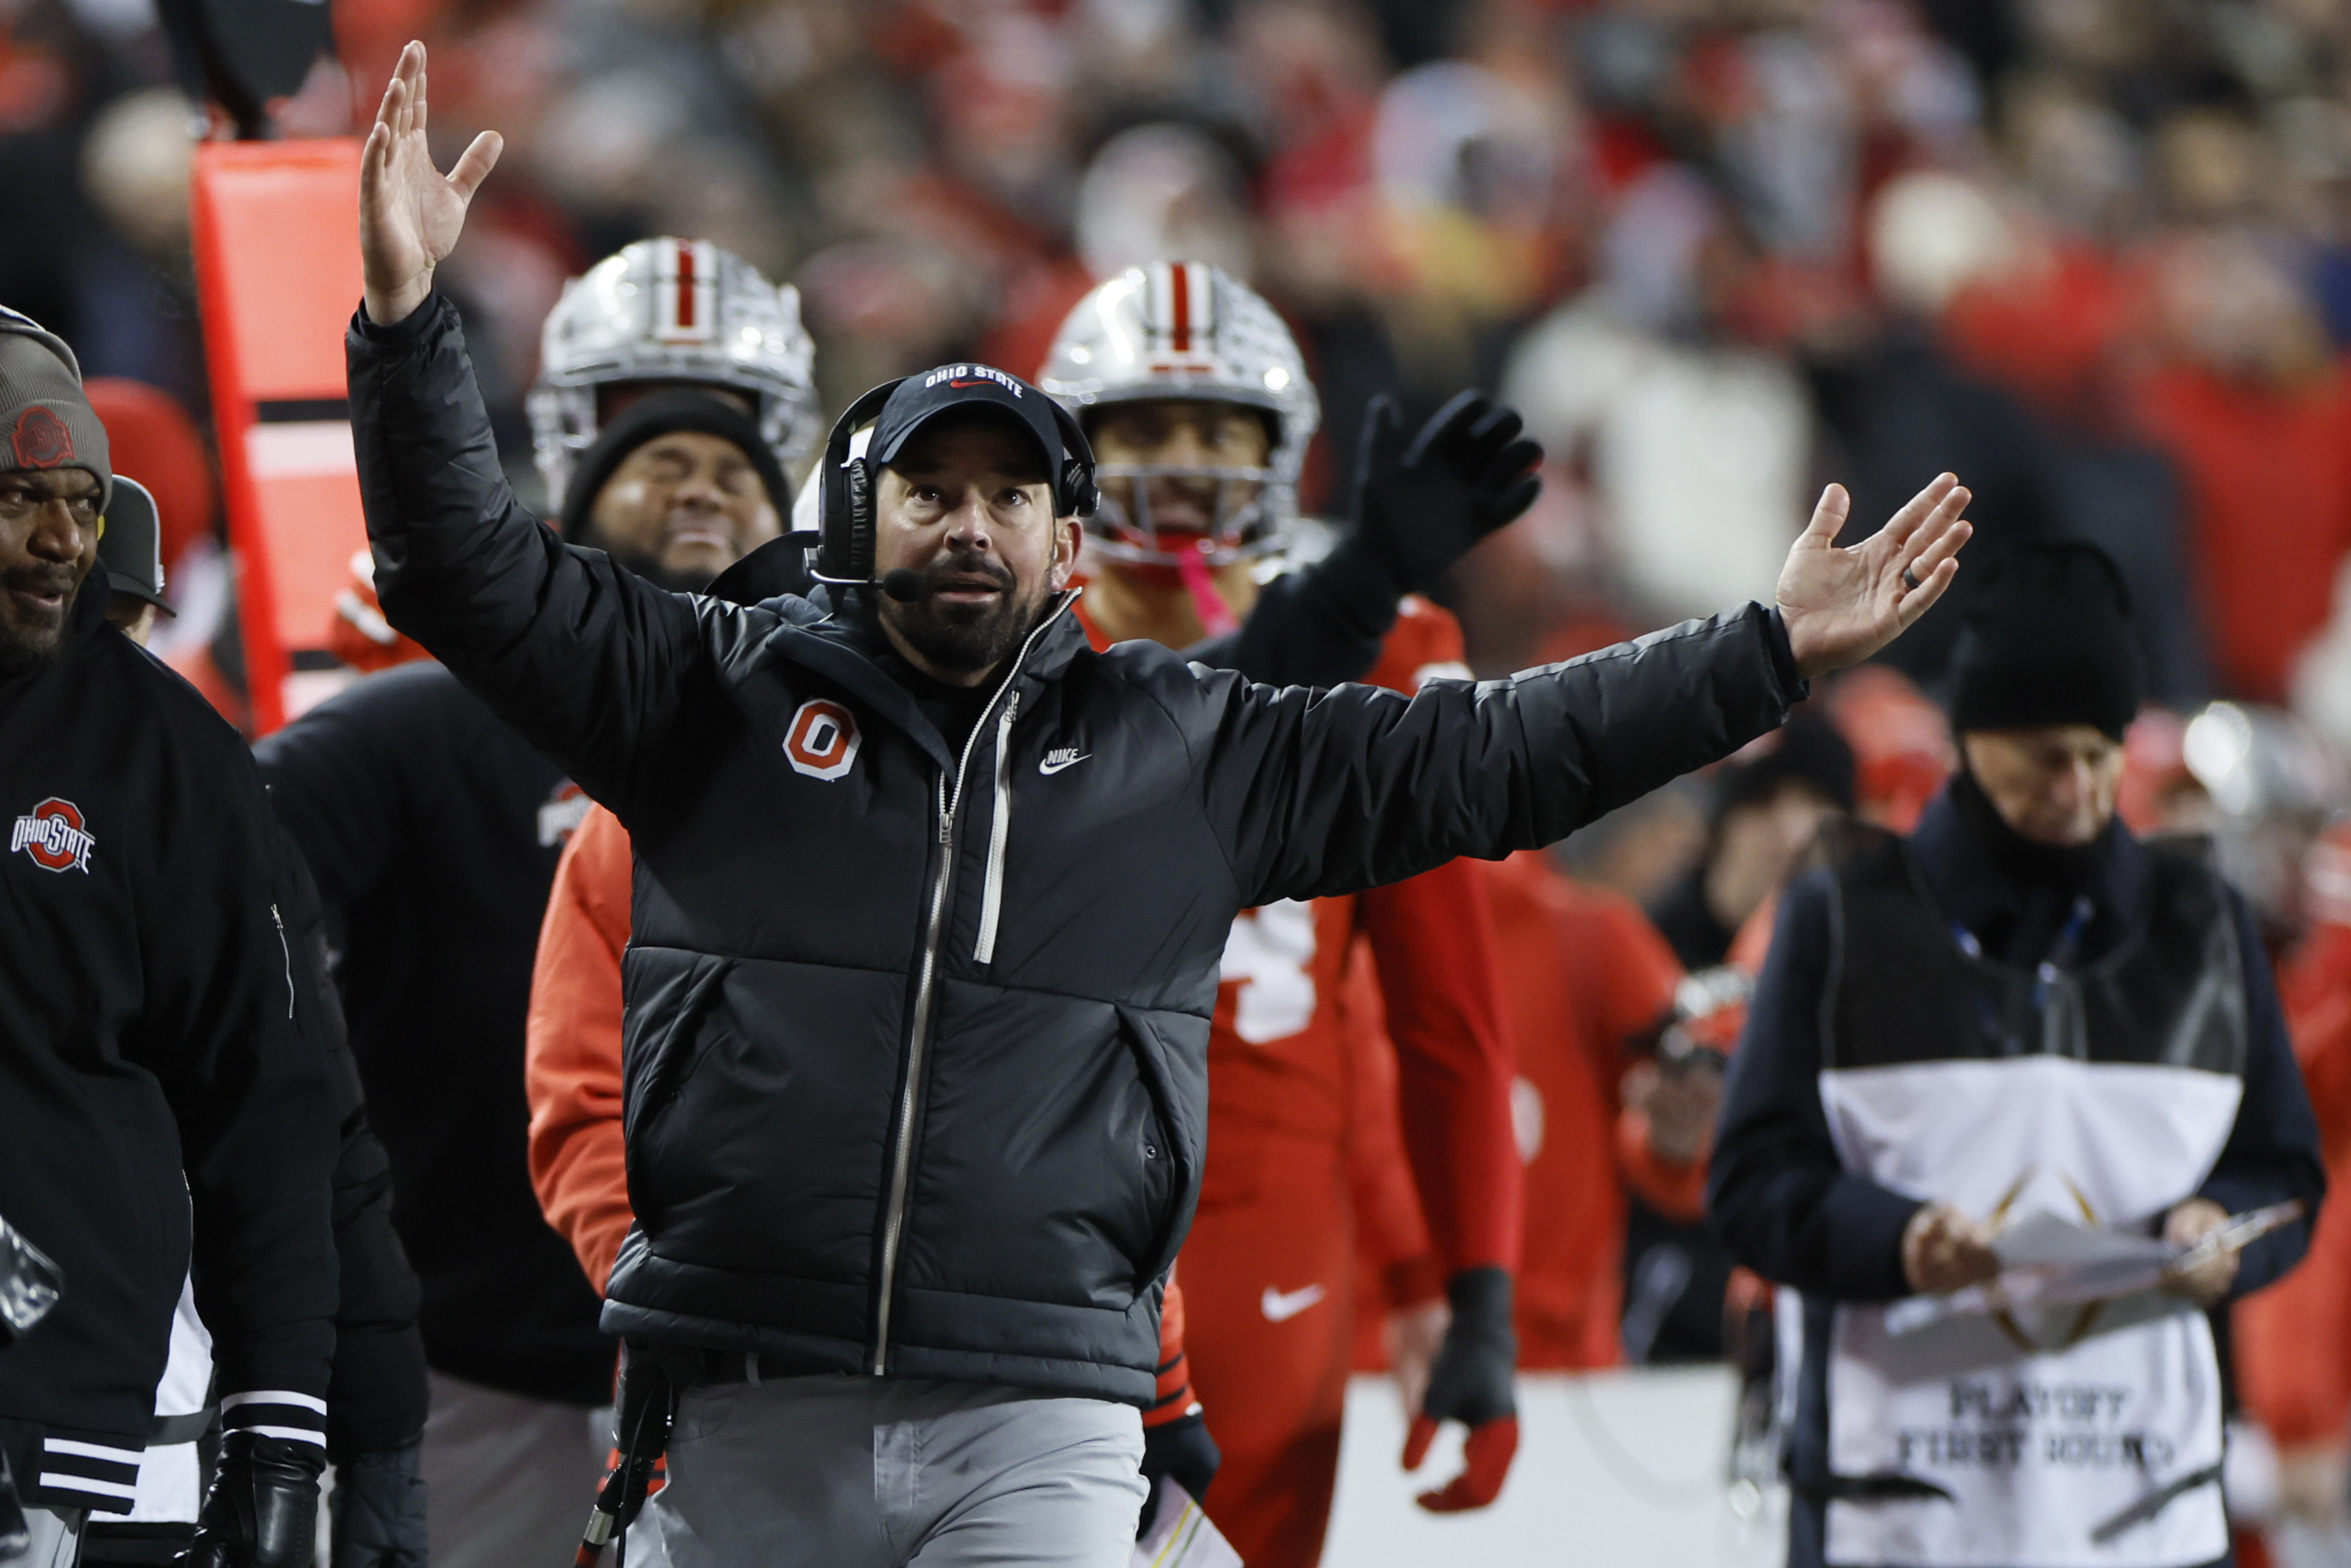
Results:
<point x="1049" y="766"/>
<point x="1280" y="1306"/>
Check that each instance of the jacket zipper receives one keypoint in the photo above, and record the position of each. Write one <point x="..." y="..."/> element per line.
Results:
<point x="894" y="1224"/>
<point x="1000" y="828"/>
<point x="284" y="950"/>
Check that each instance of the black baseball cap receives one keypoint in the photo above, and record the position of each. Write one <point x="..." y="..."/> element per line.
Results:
<point x="132" y="546"/>
<point x="919" y="399"/>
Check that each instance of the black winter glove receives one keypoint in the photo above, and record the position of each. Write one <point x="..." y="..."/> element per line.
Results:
<point x="1182" y="1450"/>
<point x="377" y="1509"/>
<point x="1421" y="505"/>
<point x="263" y="1509"/>
<point x="1470" y="1383"/>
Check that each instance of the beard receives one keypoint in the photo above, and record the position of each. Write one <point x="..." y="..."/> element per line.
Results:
<point x="27" y="650"/>
<point x="967" y="637"/>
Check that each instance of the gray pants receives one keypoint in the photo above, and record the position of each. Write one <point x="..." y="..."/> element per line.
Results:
<point x="509" y="1479"/>
<point x="57" y="1537"/>
<point x="872" y="1472"/>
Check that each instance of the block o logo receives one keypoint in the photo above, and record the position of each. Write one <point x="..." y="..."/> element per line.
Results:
<point x="822" y="740"/>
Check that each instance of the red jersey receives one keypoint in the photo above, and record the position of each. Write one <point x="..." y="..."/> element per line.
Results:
<point x="1584" y="971"/>
<point x="1280" y="1059"/>
<point x="2267" y="472"/>
<point x="2294" y="1340"/>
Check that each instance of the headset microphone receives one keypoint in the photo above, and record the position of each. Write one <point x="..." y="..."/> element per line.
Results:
<point x="904" y="584"/>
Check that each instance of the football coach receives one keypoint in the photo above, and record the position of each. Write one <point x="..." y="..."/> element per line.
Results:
<point x="930" y="898"/>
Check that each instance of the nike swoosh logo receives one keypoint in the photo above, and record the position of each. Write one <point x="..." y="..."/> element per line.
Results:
<point x="1280" y="1306"/>
<point x="1053" y="765"/>
<point x="975" y="382"/>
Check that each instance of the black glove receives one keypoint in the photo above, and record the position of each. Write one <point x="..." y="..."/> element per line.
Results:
<point x="1421" y="505"/>
<point x="1182" y="1450"/>
<point x="1470" y="1383"/>
<point x="263" y="1509"/>
<point x="377" y="1509"/>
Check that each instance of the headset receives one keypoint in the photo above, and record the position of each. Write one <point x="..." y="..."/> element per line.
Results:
<point x="845" y="520"/>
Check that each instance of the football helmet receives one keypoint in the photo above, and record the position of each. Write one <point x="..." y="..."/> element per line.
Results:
<point x="1187" y="329"/>
<point x="671" y="311"/>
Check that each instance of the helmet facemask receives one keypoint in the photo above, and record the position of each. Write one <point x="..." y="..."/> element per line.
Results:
<point x="1187" y="332"/>
<point x="1242" y="522"/>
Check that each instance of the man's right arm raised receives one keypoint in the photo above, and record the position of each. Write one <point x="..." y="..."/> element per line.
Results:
<point x="581" y="657"/>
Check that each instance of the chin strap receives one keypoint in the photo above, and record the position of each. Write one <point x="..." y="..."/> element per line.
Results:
<point x="1216" y="616"/>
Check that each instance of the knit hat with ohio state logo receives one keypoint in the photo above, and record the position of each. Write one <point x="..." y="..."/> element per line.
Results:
<point x="46" y="422"/>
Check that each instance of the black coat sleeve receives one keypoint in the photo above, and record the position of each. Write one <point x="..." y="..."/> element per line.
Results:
<point x="2272" y="1153"/>
<point x="1776" y="1192"/>
<point x="377" y="1397"/>
<point x="589" y="661"/>
<point x="1321" y="792"/>
<point x="251" y="1096"/>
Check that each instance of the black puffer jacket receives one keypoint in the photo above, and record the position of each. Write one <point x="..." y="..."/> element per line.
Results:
<point x="916" y="1042"/>
<point x="157" y="1101"/>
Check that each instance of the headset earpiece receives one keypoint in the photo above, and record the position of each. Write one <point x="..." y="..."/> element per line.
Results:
<point x="1075" y="494"/>
<point x="844" y="551"/>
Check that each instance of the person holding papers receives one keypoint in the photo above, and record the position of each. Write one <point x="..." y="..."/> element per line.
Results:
<point x="1985" y="1062"/>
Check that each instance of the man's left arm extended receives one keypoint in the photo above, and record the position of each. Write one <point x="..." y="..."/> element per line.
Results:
<point x="1326" y="793"/>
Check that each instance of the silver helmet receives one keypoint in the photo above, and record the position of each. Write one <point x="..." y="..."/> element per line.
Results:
<point x="1187" y="329"/>
<point x="671" y="311"/>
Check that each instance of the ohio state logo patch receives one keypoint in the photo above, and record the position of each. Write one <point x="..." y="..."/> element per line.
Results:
<point x="41" y="439"/>
<point x="52" y="833"/>
<point x="822" y="740"/>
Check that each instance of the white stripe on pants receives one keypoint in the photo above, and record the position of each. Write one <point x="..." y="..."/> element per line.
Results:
<point x="509" y="1479"/>
<point x="888" y="1472"/>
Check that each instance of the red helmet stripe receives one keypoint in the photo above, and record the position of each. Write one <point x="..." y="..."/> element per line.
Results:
<point x="685" y="288"/>
<point x="1179" y="308"/>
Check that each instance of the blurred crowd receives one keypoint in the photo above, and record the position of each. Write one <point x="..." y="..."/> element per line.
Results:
<point x="2091" y="253"/>
<point x="2094" y="255"/>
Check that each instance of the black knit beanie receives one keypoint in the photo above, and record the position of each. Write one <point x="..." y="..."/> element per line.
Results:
<point x="659" y="413"/>
<point x="2047" y="641"/>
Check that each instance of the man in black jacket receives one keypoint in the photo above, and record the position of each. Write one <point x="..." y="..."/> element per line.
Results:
<point x="930" y="903"/>
<point x="375" y="1396"/>
<point x="155" y="1093"/>
<point x="2018" y="1021"/>
<point x="434" y="831"/>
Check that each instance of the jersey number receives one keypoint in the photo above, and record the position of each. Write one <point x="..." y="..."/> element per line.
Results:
<point x="1271" y="952"/>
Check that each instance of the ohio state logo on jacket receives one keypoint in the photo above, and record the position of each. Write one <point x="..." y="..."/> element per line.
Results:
<point x="52" y="833"/>
<point x="822" y="739"/>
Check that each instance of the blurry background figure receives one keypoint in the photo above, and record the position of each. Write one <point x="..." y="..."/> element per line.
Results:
<point x="1584" y="977"/>
<point x="1648" y="384"/>
<point x="131" y="552"/>
<point x="2010" y="1012"/>
<point x="1769" y="803"/>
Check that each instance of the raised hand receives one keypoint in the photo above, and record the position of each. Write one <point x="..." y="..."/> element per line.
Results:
<point x="1843" y="605"/>
<point x="410" y="213"/>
